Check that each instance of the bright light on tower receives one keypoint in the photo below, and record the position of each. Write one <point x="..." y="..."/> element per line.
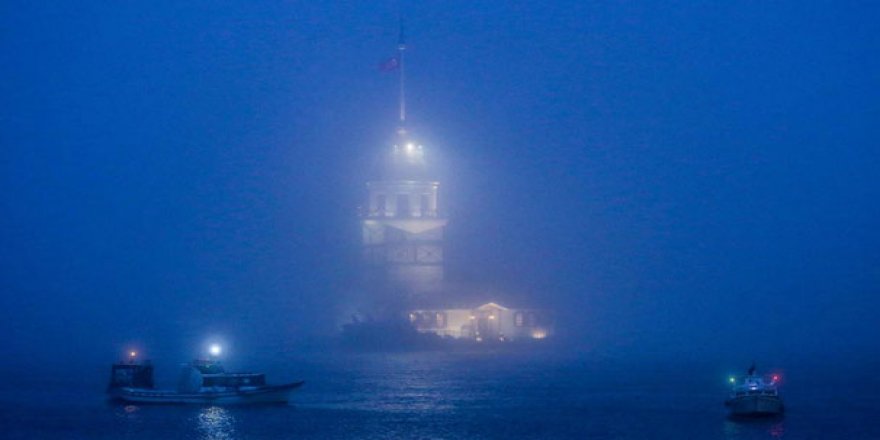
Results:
<point x="215" y="350"/>
<point x="132" y="354"/>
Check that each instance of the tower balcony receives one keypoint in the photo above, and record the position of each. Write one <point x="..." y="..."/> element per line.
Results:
<point x="388" y="213"/>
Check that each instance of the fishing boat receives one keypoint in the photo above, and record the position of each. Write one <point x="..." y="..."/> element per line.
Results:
<point x="202" y="382"/>
<point x="754" y="396"/>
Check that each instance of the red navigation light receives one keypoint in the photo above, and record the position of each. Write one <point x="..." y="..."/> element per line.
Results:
<point x="775" y="377"/>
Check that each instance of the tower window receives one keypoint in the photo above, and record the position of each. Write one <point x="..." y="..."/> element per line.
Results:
<point x="425" y="208"/>
<point x="531" y="320"/>
<point x="403" y="209"/>
<point x="380" y="204"/>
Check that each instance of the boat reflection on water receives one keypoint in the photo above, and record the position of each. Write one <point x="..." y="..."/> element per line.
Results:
<point x="204" y="423"/>
<point x="738" y="428"/>
<point x="216" y="423"/>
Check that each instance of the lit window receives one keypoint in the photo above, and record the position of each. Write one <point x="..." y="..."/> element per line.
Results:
<point x="380" y="204"/>
<point x="423" y="205"/>
<point x="403" y="208"/>
<point x="427" y="320"/>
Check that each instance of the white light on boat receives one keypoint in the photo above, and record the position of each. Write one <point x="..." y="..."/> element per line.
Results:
<point x="132" y="354"/>
<point x="215" y="350"/>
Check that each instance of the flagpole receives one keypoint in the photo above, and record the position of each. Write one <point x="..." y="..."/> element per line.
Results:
<point x="401" y="47"/>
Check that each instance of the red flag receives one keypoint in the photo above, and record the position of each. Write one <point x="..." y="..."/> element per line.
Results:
<point x="389" y="65"/>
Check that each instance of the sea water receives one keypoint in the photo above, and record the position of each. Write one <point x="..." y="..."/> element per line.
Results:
<point x="455" y="396"/>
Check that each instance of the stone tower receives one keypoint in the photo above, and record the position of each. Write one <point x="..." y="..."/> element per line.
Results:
<point x="403" y="226"/>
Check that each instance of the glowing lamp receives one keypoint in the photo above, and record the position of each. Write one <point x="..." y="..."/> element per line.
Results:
<point x="732" y="380"/>
<point x="215" y="350"/>
<point x="775" y="377"/>
<point x="132" y="354"/>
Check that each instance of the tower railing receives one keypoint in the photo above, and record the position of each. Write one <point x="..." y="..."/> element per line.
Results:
<point x="388" y="213"/>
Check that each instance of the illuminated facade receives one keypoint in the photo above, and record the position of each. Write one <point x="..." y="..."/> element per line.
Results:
<point x="402" y="226"/>
<point x="488" y="322"/>
<point x="403" y="232"/>
<point x="403" y="229"/>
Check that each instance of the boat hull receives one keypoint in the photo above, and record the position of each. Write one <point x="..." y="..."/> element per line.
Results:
<point x="755" y="406"/>
<point x="263" y="395"/>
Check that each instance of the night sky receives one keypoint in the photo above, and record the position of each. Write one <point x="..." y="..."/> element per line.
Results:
<point x="673" y="178"/>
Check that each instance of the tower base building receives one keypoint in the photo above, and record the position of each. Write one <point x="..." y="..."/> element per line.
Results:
<point x="488" y="322"/>
<point x="404" y="278"/>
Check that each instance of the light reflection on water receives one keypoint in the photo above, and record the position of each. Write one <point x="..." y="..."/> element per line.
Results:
<point x="216" y="423"/>
<point x="777" y="430"/>
<point x="751" y="428"/>
<point x="424" y="396"/>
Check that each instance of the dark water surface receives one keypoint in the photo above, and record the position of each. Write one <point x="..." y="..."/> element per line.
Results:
<point x="504" y="396"/>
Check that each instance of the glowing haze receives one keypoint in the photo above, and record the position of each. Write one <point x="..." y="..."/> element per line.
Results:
<point x="672" y="178"/>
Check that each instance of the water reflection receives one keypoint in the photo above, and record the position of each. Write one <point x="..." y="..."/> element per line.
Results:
<point x="216" y="423"/>
<point x="777" y="430"/>
<point x="127" y="412"/>
<point x="750" y="428"/>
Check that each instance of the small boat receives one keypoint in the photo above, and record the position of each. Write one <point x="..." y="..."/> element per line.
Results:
<point x="203" y="381"/>
<point x="754" y="396"/>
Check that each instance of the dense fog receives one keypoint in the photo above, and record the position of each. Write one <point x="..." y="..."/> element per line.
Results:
<point x="675" y="181"/>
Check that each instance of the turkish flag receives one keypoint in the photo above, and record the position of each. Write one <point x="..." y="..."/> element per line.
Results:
<point x="389" y="65"/>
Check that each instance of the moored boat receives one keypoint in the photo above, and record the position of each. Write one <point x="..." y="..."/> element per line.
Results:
<point x="755" y="396"/>
<point x="202" y="381"/>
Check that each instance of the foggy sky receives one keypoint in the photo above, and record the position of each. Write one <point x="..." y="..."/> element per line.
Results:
<point x="670" y="177"/>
